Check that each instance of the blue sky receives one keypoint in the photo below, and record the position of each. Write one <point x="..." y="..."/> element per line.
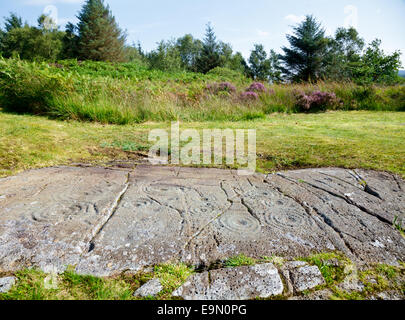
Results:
<point x="240" y="23"/>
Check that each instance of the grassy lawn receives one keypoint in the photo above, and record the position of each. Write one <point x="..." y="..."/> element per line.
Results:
<point x="355" y="139"/>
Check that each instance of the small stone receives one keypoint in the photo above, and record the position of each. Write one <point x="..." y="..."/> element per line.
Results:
<point x="315" y="296"/>
<point x="307" y="277"/>
<point x="351" y="285"/>
<point x="151" y="288"/>
<point x="241" y="283"/>
<point x="6" y="284"/>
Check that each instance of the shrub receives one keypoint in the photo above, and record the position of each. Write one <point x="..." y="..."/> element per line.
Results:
<point x="249" y="96"/>
<point x="225" y="74"/>
<point x="256" y="87"/>
<point x="30" y="87"/>
<point x="216" y="88"/>
<point x="316" y="101"/>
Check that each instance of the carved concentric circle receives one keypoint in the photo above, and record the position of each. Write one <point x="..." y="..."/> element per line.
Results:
<point x="202" y="208"/>
<point x="163" y="189"/>
<point x="287" y="218"/>
<point x="141" y="203"/>
<point x="62" y="211"/>
<point x="240" y="223"/>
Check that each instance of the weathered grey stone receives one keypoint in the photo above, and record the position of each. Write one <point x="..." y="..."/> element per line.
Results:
<point x="48" y="216"/>
<point x="151" y="288"/>
<point x="324" y="294"/>
<point x="390" y="295"/>
<point x="241" y="283"/>
<point x="6" y="284"/>
<point x="108" y="221"/>
<point x="362" y="236"/>
<point x="351" y="285"/>
<point x="306" y="277"/>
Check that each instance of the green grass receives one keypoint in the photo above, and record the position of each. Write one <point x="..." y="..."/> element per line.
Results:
<point x="331" y="265"/>
<point x="238" y="261"/>
<point x="172" y="276"/>
<point x="33" y="284"/>
<point x="356" y="139"/>
<point x="129" y="93"/>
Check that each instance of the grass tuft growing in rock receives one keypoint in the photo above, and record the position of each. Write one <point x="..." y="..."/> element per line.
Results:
<point x="239" y="260"/>
<point x="172" y="276"/>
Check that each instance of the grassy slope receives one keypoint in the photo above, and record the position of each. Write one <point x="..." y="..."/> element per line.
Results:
<point x="360" y="139"/>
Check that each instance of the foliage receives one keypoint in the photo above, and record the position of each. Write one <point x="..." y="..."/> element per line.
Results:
<point x="31" y="43"/>
<point x="316" y="101"/>
<point x="256" y="87"/>
<point x="259" y="64"/>
<point x="166" y="57"/>
<point x="209" y="57"/>
<point x="377" y="67"/>
<point x="311" y="56"/>
<point x="344" y="54"/>
<point x="30" y="87"/>
<point x="13" y="22"/>
<point x="99" y="37"/>
<point x="130" y="93"/>
<point x="189" y="49"/>
<point x="227" y="74"/>
<point x="249" y="96"/>
<point x="216" y="88"/>
<point x="304" y="60"/>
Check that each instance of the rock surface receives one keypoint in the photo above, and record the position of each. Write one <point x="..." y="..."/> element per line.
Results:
<point x="6" y="284"/>
<point x="107" y="221"/>
<point x="241" y="283"/>
<point x="149" y="289"/>
<point x="306" y="277"/>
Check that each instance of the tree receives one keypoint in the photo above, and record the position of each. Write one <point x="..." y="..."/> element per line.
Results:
<point x="377" y="67"/>
<point x="344" y="54"/>
<point x="189" y="49"/>
<point x="70" y="42"/>
<point x="209" y="57"/>
<point x="305" y="59"/>
<point x="99" y="37"/>
<point x="166" y="57"/>
<point x="259" y="64"/>
<point x="33" y="43"/>
<point x="237" y="63"/>
<point x="134" y="53"/>
<point x="13" y="22"/>
<point x="275" y="67"/>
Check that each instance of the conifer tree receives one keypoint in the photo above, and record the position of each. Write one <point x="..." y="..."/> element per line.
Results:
<point x="305" y="59"/>
<point x="209" y="57"/>
<point x="99" y="36"/>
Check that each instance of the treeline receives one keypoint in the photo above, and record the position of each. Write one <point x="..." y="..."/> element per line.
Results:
<point x="310" y="56"/>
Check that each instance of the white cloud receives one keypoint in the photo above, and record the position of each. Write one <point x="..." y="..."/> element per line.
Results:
<point x="262" y="33"/>
<point x="50" y="2"/>
<point x="294" y="18"/>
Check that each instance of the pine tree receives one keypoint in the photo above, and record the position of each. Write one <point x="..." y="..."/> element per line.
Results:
<point x="99" y="37"/>
<point x="13" y="22"/>
<point x="305" y="59"/>
<point x="209" y="57"/>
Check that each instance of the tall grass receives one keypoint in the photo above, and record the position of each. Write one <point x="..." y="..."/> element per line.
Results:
<point x="125" y="93"/>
